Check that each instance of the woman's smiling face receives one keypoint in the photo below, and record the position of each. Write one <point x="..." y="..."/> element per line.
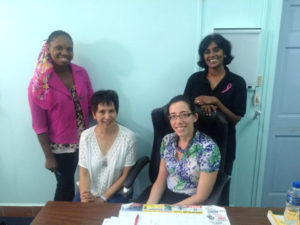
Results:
<point x="105" y="115"/>
<point x="61" y="50"/>
<point x="213" y="56"/>
<point x="182" y="119"/>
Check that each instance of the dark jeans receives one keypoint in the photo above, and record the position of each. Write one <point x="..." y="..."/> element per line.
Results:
<point x="65" y="188"/>
<point x="117" y="198"/>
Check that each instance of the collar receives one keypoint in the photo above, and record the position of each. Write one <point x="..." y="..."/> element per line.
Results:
<point x="175" y="139"/>
<point x="56" y="83"/>
<point x="227" y="78"/>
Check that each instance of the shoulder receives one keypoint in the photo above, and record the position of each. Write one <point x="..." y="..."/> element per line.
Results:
<point x="197" y="75"/>
<point x="126" y="133"/>
<point x="78" y="69"/>
<point x="169" y="138"/>
<point x="237" y="79"/>
<point x="88" y="133"/>
<point x="204" y="139"/>
<point x="168" y="144"/>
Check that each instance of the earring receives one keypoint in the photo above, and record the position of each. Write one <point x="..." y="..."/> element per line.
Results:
<point x="224" y="56"/>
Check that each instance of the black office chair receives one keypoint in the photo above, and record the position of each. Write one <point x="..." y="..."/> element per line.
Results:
<point x="216" y="126"/>
<point x="127" y="189"/>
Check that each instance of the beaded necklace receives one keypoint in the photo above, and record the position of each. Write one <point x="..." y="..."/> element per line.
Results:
<point x="180" y="150"/>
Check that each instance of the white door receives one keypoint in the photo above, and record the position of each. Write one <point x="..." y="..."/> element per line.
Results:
<point x="283" y="154"/>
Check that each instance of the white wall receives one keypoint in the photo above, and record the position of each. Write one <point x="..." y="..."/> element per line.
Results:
<point x="145" y="50"/>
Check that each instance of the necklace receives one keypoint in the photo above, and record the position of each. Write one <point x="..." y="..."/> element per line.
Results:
<point x="180" y="150"/>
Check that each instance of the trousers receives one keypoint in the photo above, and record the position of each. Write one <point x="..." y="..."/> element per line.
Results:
<point x="67" y="164"/>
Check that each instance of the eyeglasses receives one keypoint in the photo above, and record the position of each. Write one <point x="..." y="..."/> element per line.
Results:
<point x="182" y="116"/>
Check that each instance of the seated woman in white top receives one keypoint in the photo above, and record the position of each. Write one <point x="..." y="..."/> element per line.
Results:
<point x="107" y="151"/>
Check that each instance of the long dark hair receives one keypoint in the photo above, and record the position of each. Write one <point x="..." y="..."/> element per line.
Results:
<point x="221" y="42"/>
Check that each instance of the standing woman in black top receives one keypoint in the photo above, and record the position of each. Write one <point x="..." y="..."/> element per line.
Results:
<point x="216" y="88"/>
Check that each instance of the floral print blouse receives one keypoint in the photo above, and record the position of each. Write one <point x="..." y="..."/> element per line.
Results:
<point x="70" y="148"/>
<point x="201" y="155"/>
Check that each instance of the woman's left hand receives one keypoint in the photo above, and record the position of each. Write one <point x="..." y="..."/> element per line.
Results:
<point x="208" y="109"/>
<point x="100" y="200"/>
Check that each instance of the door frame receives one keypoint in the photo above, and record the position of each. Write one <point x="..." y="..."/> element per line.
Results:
<point x="270" y="42"/>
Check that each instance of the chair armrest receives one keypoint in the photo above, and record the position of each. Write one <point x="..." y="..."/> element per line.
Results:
<point x="139" y="165"/>
<point x="127" y="189"/>
<point x="217" y="193"/>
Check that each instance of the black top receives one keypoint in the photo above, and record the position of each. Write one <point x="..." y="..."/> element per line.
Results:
<point x="231" y="91"/>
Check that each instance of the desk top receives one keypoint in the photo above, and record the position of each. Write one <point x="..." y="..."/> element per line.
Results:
<point x="70" y="213"/>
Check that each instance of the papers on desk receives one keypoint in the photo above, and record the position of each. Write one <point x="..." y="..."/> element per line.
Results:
<point x="277" y="219"/>
<point x="161" y="214"/>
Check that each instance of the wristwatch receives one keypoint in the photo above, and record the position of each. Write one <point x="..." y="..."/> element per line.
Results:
<point x="104" y="199"/>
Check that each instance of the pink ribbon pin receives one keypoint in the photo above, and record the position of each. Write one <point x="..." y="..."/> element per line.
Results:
<point x="227" y="88"/>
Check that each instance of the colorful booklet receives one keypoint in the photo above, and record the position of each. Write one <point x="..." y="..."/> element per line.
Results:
<point x="162" y="208"/>
<point x="162" y="214"/>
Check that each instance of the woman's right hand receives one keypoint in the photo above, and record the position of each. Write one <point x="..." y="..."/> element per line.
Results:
<point x="51" y="163"/>
<point x="87" y="196"/>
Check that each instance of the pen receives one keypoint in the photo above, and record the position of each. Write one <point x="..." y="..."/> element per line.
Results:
<point x="136" y="219"/>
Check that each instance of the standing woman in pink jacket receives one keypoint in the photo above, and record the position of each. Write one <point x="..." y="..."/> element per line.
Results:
<point x="59" y="97"/>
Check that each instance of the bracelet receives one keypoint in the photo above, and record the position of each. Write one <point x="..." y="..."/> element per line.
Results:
<point x="104" y="199"/>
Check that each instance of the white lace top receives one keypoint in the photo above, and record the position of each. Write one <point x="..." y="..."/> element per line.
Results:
<point x="104" y="170"/>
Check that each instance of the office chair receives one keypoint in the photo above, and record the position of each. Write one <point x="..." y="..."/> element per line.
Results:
<point x="215" y="126"/>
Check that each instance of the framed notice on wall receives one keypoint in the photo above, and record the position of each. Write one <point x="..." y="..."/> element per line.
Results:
<point x="246" y="51"/>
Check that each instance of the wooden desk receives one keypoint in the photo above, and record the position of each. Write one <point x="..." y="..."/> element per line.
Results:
<point x="76" y="213"/>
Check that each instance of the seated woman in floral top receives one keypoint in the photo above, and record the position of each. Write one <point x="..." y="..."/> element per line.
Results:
<point x="189" y="159"/>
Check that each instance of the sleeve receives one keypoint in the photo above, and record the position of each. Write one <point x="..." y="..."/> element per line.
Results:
<point x="210" y="159"/>
<point x="240" y="98"/>
<point x="83" y="162"/>
<point x="38" y="115"/>
<point x="131" y="152"/>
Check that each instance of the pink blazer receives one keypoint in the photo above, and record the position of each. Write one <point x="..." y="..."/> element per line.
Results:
<point x="58" y="117"/>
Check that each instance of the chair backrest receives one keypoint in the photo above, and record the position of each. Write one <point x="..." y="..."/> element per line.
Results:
<point x="215" y="126"/>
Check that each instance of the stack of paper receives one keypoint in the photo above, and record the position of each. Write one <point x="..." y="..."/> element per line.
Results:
<point x="161" y="214"/>
<point x="276" y="219"/>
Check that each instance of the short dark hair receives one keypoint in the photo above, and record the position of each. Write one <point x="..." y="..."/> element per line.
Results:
<point x="105" y="97"/>
<point x="221" y="42"/>
<point x="182" y="98"/>
<point x="57" y="33"/>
